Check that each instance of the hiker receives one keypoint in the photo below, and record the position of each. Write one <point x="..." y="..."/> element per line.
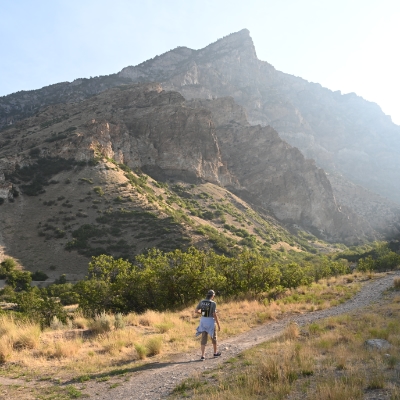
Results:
<point x="208" y="322"/>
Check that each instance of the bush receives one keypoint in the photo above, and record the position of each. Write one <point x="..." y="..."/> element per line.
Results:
<point x="34" y="152"/>
<point x="141" y="351"/>
<point x="40" y="307"/>
<point x="39" y="276"/>
<point x="61" y="280"/>
<point x="98" y="190"/>
<point x="154" y="346"/>
<point x="101" y="323"/>
<point x="7" y="266"/>
<point x="119" y="322"/>
<point x="19" y="280"/>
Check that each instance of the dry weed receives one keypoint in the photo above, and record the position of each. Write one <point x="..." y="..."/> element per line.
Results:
<point x="291" y="332"/>
<point x="154" y="345"/>
<point x="338" y="389"/>
<point x="396" y="283"/>
<point x="56" y="324"/>
<point x="101" y="323"/>
<point x="141" y="351"/>
<point x="6" y="350"/>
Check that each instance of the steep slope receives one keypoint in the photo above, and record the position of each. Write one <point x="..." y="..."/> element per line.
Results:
<point x="69" y="182"/>
<point x="345" y="134"/>
<point x="342" y="133"/>
<point x="277" y="176"/>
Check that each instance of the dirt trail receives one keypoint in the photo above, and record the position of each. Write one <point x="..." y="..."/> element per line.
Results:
<point x="159" y="379"/>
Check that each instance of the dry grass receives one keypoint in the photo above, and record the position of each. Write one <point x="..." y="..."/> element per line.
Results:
<point x="98" y="345"/>
<point x="325" y="360"/>
<point x="292" y="331"/>
<point x="396" y="283"/>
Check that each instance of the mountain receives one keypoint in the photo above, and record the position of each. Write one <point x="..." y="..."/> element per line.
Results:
<point x="137" y="166"/>
<point x="214" y="117"/>
<point x="347" y="136"/>
<point x="344" y="134"/>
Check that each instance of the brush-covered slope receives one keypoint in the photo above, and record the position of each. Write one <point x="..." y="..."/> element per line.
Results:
<point x="69" y="188"/>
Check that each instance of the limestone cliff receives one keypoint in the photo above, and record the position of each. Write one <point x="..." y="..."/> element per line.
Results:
<point x="344" y="134"/>
<point x="277" y="176"/>
<point x="143" y="126"/>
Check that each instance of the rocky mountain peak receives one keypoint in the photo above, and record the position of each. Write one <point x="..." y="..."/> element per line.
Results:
<point x="345" y="135"/>
<point x="240" y="42"/>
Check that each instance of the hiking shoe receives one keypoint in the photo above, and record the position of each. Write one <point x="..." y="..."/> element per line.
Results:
<point x="217" y="354"/>
<point x="202" y="358"/>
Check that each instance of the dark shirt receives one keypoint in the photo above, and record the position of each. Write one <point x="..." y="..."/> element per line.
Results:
<point x="207" y="307"/>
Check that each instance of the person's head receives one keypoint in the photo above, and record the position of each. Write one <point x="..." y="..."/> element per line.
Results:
<point x="210" y="294"/>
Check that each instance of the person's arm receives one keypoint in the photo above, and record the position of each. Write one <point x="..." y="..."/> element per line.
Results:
<point x="197" y="309"/>
<point x="216" y="320"/>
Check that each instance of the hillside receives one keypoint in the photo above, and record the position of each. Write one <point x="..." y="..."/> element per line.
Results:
<point x="347" y="136"/>
<point x="342" y="133"/>
<point x="138" y="167"/>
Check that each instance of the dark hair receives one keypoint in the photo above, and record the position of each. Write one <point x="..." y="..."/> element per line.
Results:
<point x="210" y="294"/>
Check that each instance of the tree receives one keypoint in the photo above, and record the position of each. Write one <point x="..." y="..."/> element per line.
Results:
<point x="19" y="280"/>
<point x="40" y="307"/>
<point x="292" y="276"/>
<point x="7" y="266"/>
<point x="366" y="264"/>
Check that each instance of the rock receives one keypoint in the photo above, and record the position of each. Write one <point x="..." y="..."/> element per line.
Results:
<point x="167" y="137"/>
<point x="349" y="137"/>
<point x="377" y="344"/>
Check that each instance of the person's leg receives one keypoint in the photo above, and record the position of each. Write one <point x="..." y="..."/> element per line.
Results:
<point x="214" y="342"/>
<point x="204" y="337"/>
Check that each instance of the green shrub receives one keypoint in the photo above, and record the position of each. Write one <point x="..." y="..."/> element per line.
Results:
<point x="87" y="180"/>
<point x="39" y="276"/>
<point x="19" y="280"/>
<point x="98" y="190"/>
<point x="41" y="308"/>
<point x="7" y="266"/>
<point x="141" y="351"/>
<point x="154" y="346"/>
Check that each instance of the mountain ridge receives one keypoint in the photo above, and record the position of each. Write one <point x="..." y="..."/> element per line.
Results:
<point x="230" y="67"/>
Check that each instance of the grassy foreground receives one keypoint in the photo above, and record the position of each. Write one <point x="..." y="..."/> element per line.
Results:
<point x="111" y="345"/>
<point x="325" y="360"/>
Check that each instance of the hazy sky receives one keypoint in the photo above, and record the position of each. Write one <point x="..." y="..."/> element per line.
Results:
<point x="349" y="45"/>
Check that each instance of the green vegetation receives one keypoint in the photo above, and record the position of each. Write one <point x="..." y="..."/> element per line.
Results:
<point x="37" y="175"/>
<point x="377" y="256"/>
<point x="161" y="281"/>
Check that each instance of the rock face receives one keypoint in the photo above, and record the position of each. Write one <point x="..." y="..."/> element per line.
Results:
<point x="343" y="133"/>
<point x="346" y="135"/>
<point x="141" y="126"/>
<point x="166" y="136"/>
<point x="278" y="176"/>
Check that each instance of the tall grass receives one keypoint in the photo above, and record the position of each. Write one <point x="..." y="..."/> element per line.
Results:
<point x="86" y="346"/>
<point x="328" y="361"/>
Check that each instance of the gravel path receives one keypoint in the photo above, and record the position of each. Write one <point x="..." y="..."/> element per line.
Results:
<point x="159" y="379"/>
